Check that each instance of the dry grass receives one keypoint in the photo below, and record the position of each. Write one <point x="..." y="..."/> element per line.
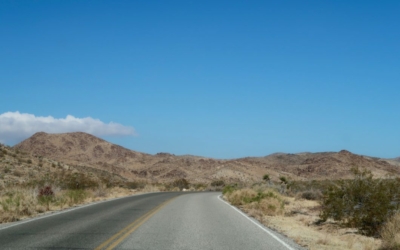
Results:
<point x="18" y="203"/>
<point x="261" y="201"/>
<point x="391" y="233"/>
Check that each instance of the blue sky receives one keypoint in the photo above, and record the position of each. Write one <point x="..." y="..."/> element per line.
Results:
<point x="223" y="79"/>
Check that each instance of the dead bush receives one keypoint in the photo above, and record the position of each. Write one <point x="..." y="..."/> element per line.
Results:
<point x="310" y="195"/>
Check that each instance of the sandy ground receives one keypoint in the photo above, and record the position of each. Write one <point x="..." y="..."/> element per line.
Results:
<point x="299" y="224"/>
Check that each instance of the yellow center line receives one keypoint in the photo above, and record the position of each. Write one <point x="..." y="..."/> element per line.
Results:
<point x="125" y="232"/>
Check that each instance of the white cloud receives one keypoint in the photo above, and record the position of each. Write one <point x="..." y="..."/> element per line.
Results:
<point x="16" y="126"/>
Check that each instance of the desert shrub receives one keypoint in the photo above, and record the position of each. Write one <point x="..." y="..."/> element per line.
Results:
<point x="271" y="206"/>
<point x="46" y="196"/>
<point x="134" y="185"/>
<point x="390" y="233"/>
<point x="7" y="169"/>
<point x="267" y="201"/>
<point x="217" y="183"/>
<point x="100" y="192"/>
<point x="283" y="180"/>
<point x="76" y="196"/>
<point x="241" y="196"/>
<point x="29" y="161"/>
<point x="78" y="181"/>
<point x="181" y="184"/>
<point x="15" y="203"/>
<point x="310" y="194"/>
<point x="229" y="189"/>
<point x="199" y="186"/>
<point x="363" y="202"/>
<point x="266" y="177"/>
<point x="18" y="173"/>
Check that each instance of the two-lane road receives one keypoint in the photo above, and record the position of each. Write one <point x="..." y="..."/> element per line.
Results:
<point x="150" y="221"/>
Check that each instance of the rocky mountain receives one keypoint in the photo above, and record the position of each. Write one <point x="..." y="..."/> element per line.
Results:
<point x="19" y="167"/>
<point x="81" y="149"/>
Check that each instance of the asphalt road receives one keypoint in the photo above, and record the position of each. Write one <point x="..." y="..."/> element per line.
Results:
<point x="150" y="221"/>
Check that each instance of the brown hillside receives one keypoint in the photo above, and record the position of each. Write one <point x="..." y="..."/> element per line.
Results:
<point x="23" y="168"/>
<point x="86" y="150"/>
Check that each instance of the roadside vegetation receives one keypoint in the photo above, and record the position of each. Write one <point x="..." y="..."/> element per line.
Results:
<point x="358" y="213"/>
<point x="31" y="185"/>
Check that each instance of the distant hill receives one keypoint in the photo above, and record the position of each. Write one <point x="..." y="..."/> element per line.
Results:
<point x="82" y="149"/>
<point x="21" y="167"/>
<point x="394" y="161"/>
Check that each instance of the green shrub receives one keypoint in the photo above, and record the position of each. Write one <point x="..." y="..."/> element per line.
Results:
<point x="283" y="180"/>
<point x="266" y="177"/>
<point x="364" y="203"/>
<point x="181" y="184"/>
<point x="229" y="189"/>
<point x="78" y="181"/>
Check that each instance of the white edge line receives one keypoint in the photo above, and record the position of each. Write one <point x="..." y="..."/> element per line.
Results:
<point x="258" y="225"/>
<point x="66" y="211"/>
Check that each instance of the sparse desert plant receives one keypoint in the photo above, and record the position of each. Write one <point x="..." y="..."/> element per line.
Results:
<point x="76" y="196"/>
<point x="241" y="196"/>
<point x="268" y="202"/>
<point x="181" y="184"/>
<point x="363" y="202"/>
<point x="7" y="169"/>
<point x="29" y="161"/>
<point x="100" y="192"/>
<point x="217" y="183"/>
<point x="229" y="189"/>
<point x="46" y="196"/>
<point x="78" y="181"/>
<point x="134" y="185"/>
<point x="390" y="233"/>
<point x="18" y="173"/>
<point x="199" y="186"/>
<point x="15" y="203"/>
<point x="310" y="195"/>
<point x="61" y="199"/>
<point x="266" y="177"/>
<point x="283" y="180"/>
